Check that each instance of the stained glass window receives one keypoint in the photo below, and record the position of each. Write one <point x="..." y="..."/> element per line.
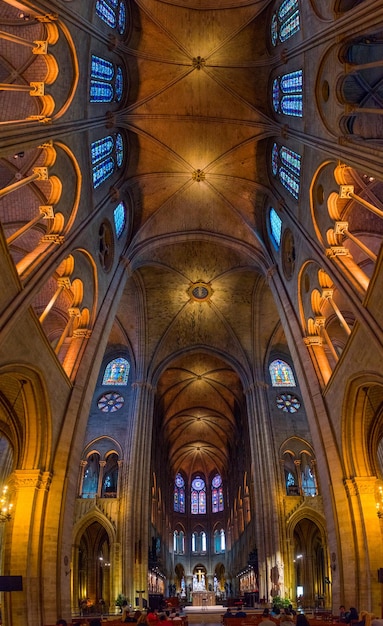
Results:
<point x="198" y="496"/>
<point x="275" y="227"/>
<point x="288" y="403"/>
<point x="286" y="165"/>
<point x="105" y="154"/>
<point x="217" y="494"/>
<point x="116" y="372"/>
<point x="113" y="13"/>
<point x="106" y="81"/>
<point x="288" y="94"/>
<point x="281" y="374"/>
<point x="285" y="22"/>
<point x="179" y="494"/>
<point x="119" y="216"/>
<point x="110" y="402"/>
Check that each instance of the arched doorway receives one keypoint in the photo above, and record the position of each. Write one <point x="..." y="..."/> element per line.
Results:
<point x="310" y="565"/>
<point x="92" y="579"/>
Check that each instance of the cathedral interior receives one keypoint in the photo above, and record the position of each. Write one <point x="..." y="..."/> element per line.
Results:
<point x="191" y="297"/>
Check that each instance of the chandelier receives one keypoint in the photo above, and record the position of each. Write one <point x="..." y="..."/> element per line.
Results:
<point x="5" y="506"/>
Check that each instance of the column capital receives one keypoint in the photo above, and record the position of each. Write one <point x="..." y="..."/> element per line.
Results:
<point x="312" y="340"/>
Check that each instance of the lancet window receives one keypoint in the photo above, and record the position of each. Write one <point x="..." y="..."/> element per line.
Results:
<point x="119" y="218"/>
<point x="286" y="166"/>
<point x="287" y="94"/>
<point x="113" y="13"/>
<point x="281" y="374"/>
<point x="275" y="224"/>
<point x="217" y="503"/>
<point x="106" y="154"/>
<point x="179" y="494"/>
<point x="285" y="22"/>
<point x="179" y="541"/>
<point x="198" y="496"/>
<point x="106" y="81"/>
<point x="219" y="541"/>
<point x="199" y="542"/>
<point x="116" y="372"/>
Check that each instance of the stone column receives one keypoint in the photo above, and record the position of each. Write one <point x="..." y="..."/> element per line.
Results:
<point x="136" y="493"/>
<point x="266" y="484"/>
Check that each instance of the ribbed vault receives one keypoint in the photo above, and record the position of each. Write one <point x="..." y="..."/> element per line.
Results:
<point x="197" y="119"/>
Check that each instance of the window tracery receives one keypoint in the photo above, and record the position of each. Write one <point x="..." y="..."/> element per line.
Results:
<point x="288" y="94"/>
<point x="285" y="22"/>
<point x="286" y="166"/>
<point x="179" y="494"/>
<point x="198" y="496"/>
<point x="106" y="81"/>
<point x="113" y="13"/>
<point x="106" y="154"/>
<point x="217" y="503"/>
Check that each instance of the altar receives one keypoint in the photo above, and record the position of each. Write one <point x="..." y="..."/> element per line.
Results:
<point x="203" y="598"/>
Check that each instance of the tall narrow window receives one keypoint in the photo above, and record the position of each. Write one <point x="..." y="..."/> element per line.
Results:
<point x="281" y="374"/>
<point x="106" y="81"/>
<point x="113" y="13"/>
<point x="116" y="372"/>
<point x="285" y="22"/>
<point x="287" y="94"/>
<point x="119" y="217"/>
<point x="217" y="494"/>
<point x="179" y="494"/>
<point x="275" y="228"/>
<point x="286" y="165"/>
<point x="198" y="496"/>
<point x="106" y="155"/>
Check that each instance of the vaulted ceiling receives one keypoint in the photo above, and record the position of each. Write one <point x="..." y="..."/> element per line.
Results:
<point x="197" y="116"/>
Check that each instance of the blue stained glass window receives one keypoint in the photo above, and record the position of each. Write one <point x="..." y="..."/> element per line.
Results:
<point x="216" y="494"/>
<point x="276" y="94"/>
<point x="290" y="27"/>
<point x="286" y="164"/>
<point x="289" y="181"/>
<point x="107" y="82"/>
<point x="121" y="19"/>
<point x="274" y="30"/>
<point x="119" y="84"/>
<point x="105" y="153"/>
<point x="285" y="22"/>
<point x="101" y="68"/>
<point x="292" y="105"/>
<point x="100" y="92"/>
<point x="119" y="149"/>
<point x="198" y="496"/>
<point x="292" y="82"/>
<point x="291" y="159"/>
<point x="275" y="227"/>
<point x="179" y="494"/>
<point x="119" y="216"/>
<point x="287" y="94"/>
<point x="101" y="148"/>
<point x="102" y="171"/>
<point x="106" y="13"/>
<point x="274" y="159"/>
<point x="113" y="13"/>
<point x="281" y="374"/>
<point x="286" y="8"/>
<point x="116" y="372"/>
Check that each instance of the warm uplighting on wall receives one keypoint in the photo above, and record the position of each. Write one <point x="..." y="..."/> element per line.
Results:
<point x="379" y="503"/>
<point x="5" y="506"/>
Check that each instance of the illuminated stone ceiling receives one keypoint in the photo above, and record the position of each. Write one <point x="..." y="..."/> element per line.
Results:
<point x="197" y="116"/>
